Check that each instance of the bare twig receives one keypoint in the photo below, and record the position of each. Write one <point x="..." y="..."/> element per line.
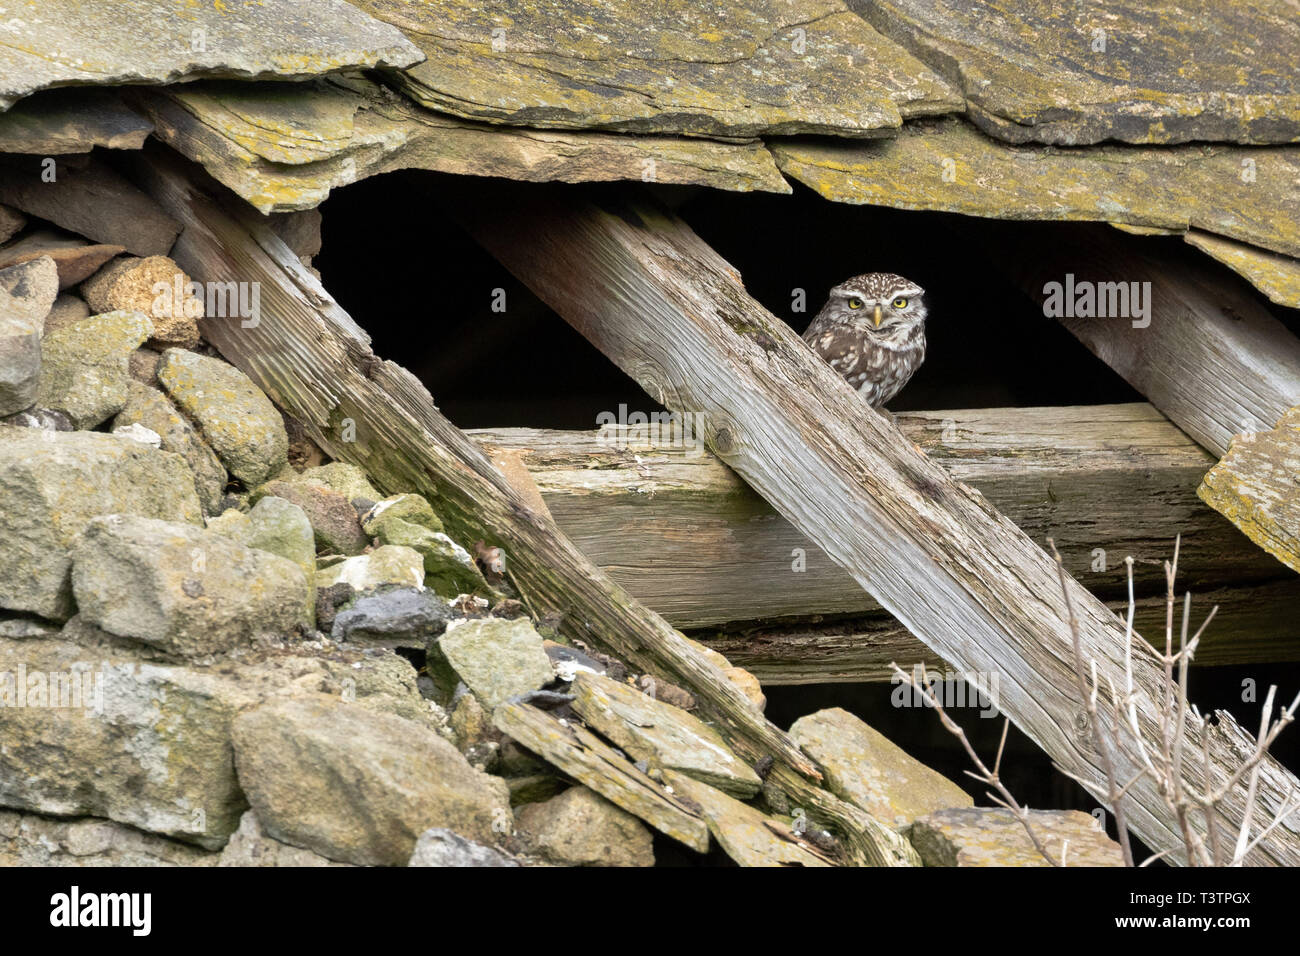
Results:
<point x="985" y="775"/>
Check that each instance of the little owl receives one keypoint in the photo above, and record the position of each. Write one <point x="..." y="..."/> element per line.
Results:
<point x="872" y="331"/>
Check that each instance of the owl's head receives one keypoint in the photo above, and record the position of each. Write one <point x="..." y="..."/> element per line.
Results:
<point x="878" y="303"/>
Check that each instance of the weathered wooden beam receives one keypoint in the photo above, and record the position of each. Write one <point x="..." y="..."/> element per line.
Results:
<point x="651" y="295"/>
<point x="308" y="354"/>
<point x="1209" y="355"/>
<point x="677" y="528"/>
<point x="1255" y="624"/>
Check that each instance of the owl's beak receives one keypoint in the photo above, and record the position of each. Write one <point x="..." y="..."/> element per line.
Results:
<point x="877" y="315"/>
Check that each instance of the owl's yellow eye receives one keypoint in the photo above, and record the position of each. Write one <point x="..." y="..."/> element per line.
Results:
<point x="899" y="303"/>
<point x="855" y="303"/>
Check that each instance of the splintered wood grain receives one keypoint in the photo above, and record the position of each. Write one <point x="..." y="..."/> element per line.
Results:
<point x="655" y="299"/>
<point x="684" y="534"/>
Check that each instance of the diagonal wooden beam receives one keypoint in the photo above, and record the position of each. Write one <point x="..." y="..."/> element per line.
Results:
<point x="666" y="308"/>
<point x="316" y="363"/>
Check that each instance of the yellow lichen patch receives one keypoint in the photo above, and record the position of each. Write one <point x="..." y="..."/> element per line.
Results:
<point x="1277" y="276"/>
<point x="71" y="42"/>
<point x="1245" y="193"/>
<point x="261" y="140"/>
<point x="710" y="68"/>
<point x="1051" y="72"/>
<point x="1256" y="486"/>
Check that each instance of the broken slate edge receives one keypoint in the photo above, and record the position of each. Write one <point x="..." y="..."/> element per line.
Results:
<point x="1254" y="487"/>
<point x="749" y="837"/>
<point x="74" y="257"/>
<point x="77" y="120"/>
<point x="666" y="737"/>
<point x="578" y="753"/>
<point x="866" y="768"/>
<point x="353" y="131"/>
<point x="807" y="66"/>
<point x="987" y="836"/>
<point x="497" y="658"/>
<point x="947" y="165"/>
<point x="91" y="199"/>
<point x="142" y="41"/>
<point x="1277" y="276"/>
<point x="1032" y="71"/>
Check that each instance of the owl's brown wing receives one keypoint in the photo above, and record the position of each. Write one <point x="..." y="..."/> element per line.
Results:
<point x="842" y="350"/>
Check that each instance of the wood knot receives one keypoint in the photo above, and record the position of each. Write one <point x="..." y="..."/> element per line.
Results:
<point x="723" y="442"/>
<point x="1082" y="727"/>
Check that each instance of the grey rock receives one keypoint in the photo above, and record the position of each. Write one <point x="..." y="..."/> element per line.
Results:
<point x="746" y="835"/>
<point x="398" y="617"/>
<point x="348" y="480"/>
<point x="581" y="828"/>
<point x="148" y="746"/>
<point x="708" y="69"/>
<point x="53" y="483"/>
<point x="279" y="527"/>
<point x="251" y="137"/>
<point x="157" y="753"/>
<point x="55" y="122"/>
<point x="359" y="786"/>
<point x="48" y="419"/>
<point x="85" y="366"/>
<point x="184" y="590"/>
<point x="441" y="847"/>
<point x="234" y="416"/>
<point x="1123" y="70"/>
<point x="30" y="840"/>
<point x="137" y="432"/>
<point x="249" y="846"/>
<point x="19" y="626"/>
<point x="27" y="292"/>
<point x="413" y="508"/>
<point x="988" y="836"/>
<point x="448" y="568"/>
<point x="497" y="658"/>
<point x="149" y="407"/>
<point x="333" y="519"/>
<point x="365" y="572"/>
